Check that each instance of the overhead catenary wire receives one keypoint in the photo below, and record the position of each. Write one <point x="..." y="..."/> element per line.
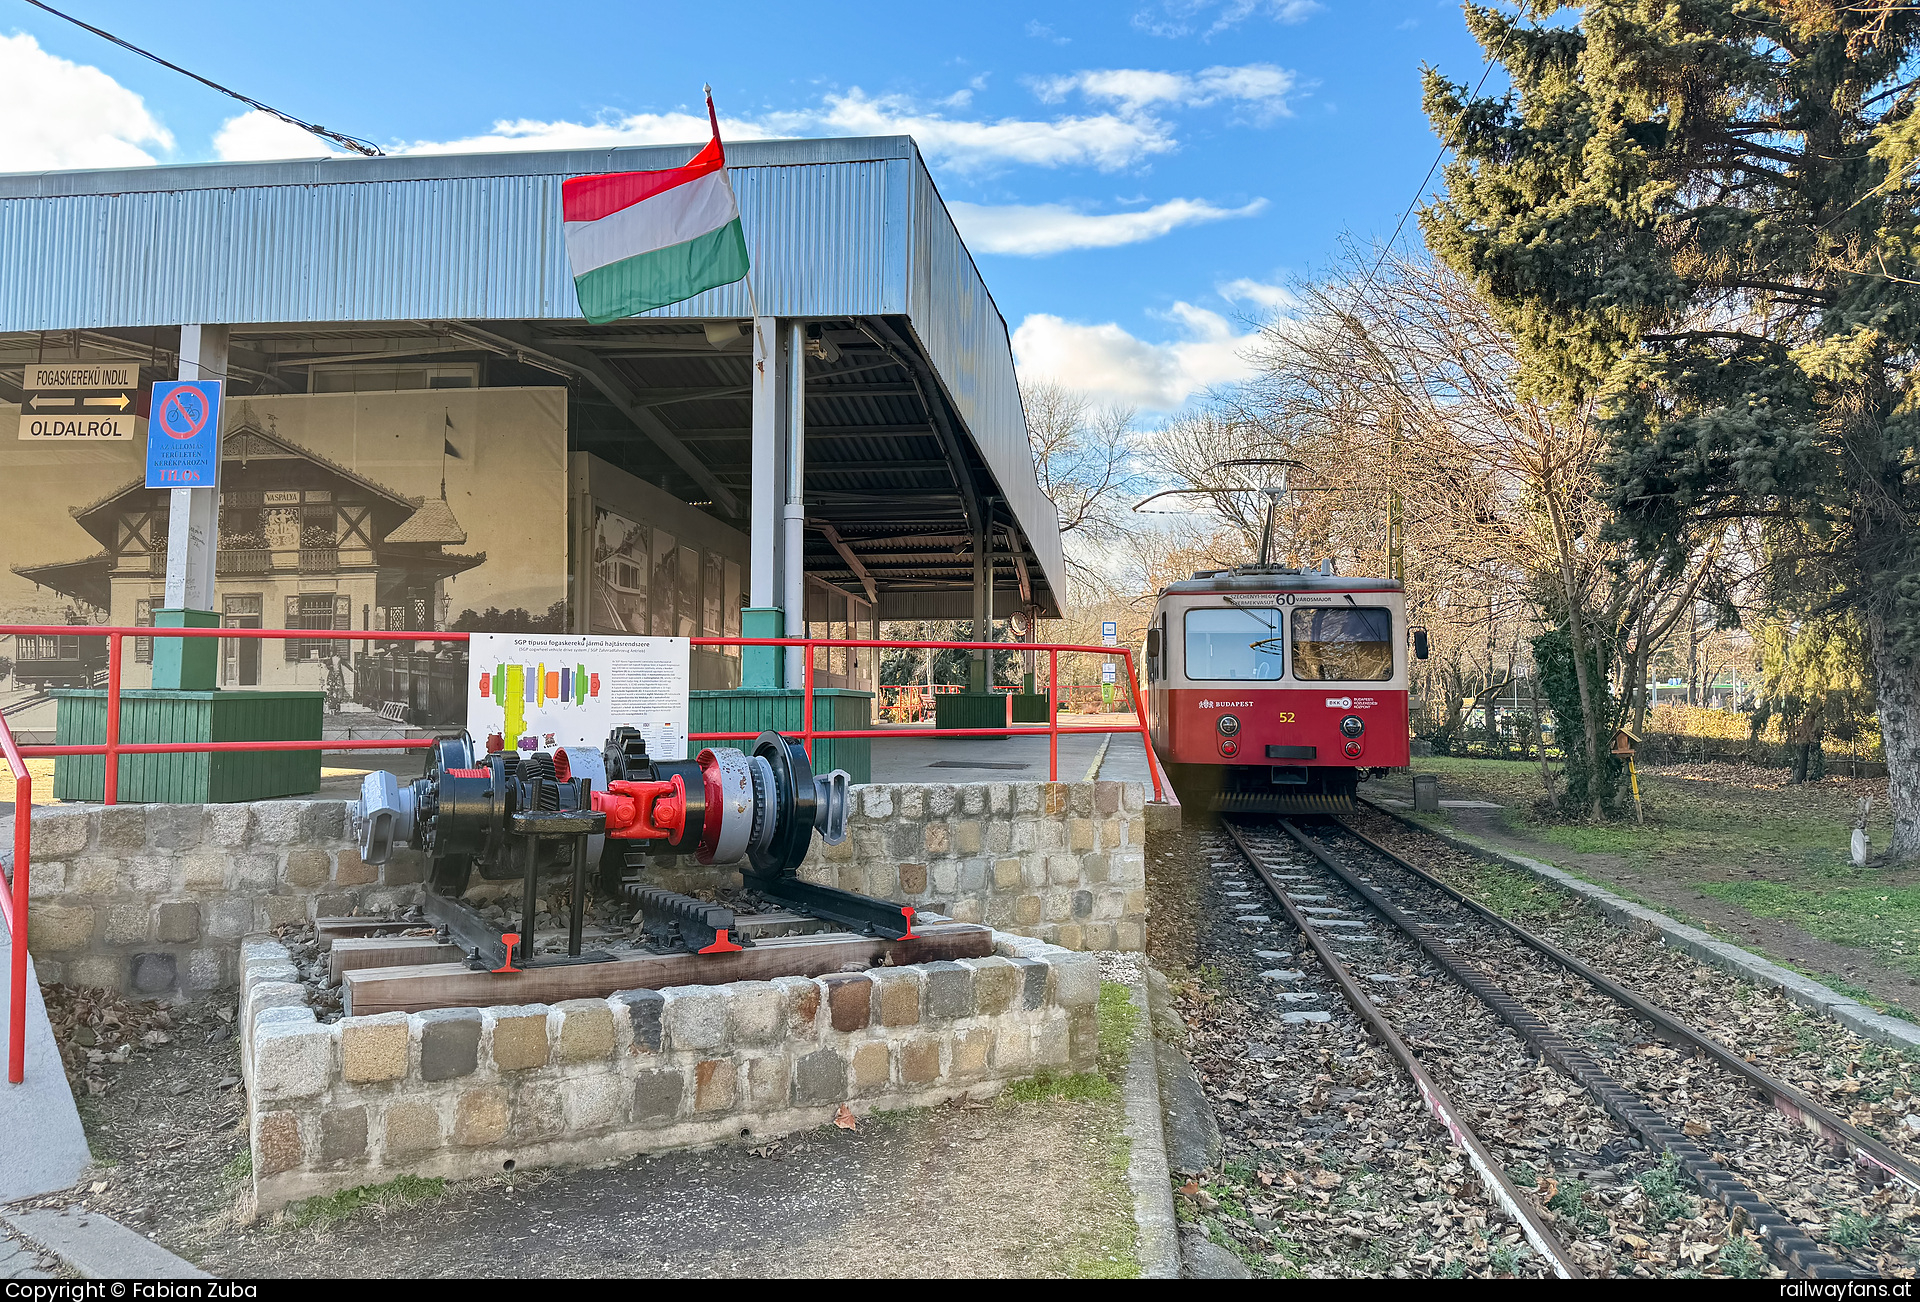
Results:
<point x="354" y="143"/>
<point x="1445" y="144"/>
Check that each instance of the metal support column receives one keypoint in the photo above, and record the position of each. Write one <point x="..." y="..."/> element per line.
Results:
<point x="982" y="605"/>
<point x="761" y="666"/>
<point x="794" y="508"/>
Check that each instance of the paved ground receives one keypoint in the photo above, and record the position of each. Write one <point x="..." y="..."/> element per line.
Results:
<point x="21" y="1261"/>
<point x="1027" y="1190"/>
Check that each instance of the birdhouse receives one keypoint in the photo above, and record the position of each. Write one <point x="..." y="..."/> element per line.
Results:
<point x="1624" y="742"/>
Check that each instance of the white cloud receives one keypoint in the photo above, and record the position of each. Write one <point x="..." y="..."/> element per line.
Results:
<point x="1176" y="18"/>
<point x="59" y="114"/>
<point x="1274" y="298"/>
<point x="1112" y="365"/>
<point x="256" y="135"/>
<point x="1107" y="141"/>
<point x="1035" y="230"/>
<point x="1261" y="85"/>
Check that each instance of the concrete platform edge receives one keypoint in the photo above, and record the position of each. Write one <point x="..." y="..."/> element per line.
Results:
<point x="98" y="1247"/>
<point x="1729" y="958"/>
<point x="1158" y="1248"/>
<point x="41" y="1106"/>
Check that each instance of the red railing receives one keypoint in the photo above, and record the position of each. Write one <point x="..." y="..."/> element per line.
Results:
<point x="14" y="902"/>
<point x="914" y="700"/>
<point x="808" y="734"/>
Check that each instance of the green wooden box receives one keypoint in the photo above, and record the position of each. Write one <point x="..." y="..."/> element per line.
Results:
<point x="1029" y="707"/>
<point x="205" y="777"/>
<point x="756" y="709"/>
<point x="970" y="710"/>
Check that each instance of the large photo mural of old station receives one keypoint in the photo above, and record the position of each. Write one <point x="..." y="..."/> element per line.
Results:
<point x="337" y="511"/>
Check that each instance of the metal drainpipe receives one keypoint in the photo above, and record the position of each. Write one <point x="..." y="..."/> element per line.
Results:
<point x="794" y="579"/>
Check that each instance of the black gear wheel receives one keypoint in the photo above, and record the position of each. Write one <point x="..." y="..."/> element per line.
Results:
<point x="538" y="765"/>
<point x="625" y="756"/>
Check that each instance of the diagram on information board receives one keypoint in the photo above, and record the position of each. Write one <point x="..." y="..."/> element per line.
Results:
<point x="538" y="691"/>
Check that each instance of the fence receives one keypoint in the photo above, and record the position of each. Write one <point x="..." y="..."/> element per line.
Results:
<point x="15" y="899"/>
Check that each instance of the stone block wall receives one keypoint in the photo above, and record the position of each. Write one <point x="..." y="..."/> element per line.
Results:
<point x="153" y="899"/>
<point x="1064" y="862"/>
<point x="457" y="1092"/>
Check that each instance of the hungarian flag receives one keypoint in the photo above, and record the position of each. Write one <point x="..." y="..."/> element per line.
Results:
<point x="641" y="240"/>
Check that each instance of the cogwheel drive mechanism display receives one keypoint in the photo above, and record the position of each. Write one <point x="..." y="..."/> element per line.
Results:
<point x="519" y="816"/>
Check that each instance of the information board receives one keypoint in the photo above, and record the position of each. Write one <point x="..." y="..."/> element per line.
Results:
<point x="79" y="400"/>
<point x="536" y="691"/>
<point x="183" y="434"/>
<point x="1110" y="633"/>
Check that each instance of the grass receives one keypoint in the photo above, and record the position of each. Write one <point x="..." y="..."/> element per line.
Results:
<point x="1785" y="829"/>
<point x="1059" y="1085"/>
<point x="1772" y="851"/>
<point x="1852" y="1230"/>
<point x="331" y="1209"/>
<point x="1570" y="1200"/>
<point x="240" y="1168"/>
<point x="1885" y="919"/>
<point x="1116" y="1018"/>
<point x="1109" y="1249"/>
<point x="1666" y="1201"/>
<point x="1741" y="1259"/>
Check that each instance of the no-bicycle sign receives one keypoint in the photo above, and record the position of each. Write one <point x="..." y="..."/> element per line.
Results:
<point x="183" y="434"/>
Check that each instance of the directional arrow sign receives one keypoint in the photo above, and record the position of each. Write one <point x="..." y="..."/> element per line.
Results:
<point x="75" y="401"/>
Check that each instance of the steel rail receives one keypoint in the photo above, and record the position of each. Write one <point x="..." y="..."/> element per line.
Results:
<point x="1785" y="1240"/>
<point x="1878" y="1158"/>
<point x="1516" y="1204"/>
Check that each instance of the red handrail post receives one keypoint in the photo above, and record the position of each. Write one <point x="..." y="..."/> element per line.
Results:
<point x="16" y="909"/>
<point x="1140" y="724"/>
<point x="111" y="789"/>
<point x="1053" y="716"/>
<point x="806" y="703"/>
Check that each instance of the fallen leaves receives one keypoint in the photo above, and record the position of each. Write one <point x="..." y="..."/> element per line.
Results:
<point x="844" y="1118"/>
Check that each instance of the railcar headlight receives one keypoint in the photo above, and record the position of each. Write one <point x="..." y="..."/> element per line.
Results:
<point x="1228" y="724"/>
<point x="1353" y="725"/>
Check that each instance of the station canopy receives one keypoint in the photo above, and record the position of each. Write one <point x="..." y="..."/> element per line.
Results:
<point x="330" y="272"/>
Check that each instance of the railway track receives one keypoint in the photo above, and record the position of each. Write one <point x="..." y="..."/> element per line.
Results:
<point x="1451" y="990"/>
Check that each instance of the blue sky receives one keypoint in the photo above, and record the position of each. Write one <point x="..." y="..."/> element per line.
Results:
<point x="1134" y="176"/>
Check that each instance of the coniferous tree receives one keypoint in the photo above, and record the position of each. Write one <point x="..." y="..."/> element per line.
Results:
<point x="1704" y="216"/>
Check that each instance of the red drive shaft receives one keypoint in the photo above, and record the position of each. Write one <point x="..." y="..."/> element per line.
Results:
<point x="644" y="811"/>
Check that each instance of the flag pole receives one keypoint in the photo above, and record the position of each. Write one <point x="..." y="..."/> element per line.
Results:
<point x="713" y="120"/>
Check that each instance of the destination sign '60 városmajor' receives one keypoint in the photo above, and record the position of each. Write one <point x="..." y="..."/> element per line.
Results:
<point x="183" y="434"/>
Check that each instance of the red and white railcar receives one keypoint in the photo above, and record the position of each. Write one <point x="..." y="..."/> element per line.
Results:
<point x="1275" y="689"/>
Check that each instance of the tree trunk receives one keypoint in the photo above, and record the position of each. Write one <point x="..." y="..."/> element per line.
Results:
<point x="1577" y="635"/>
<point x="1897" y="688"/>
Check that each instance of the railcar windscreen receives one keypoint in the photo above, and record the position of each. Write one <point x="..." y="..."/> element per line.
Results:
<point x="1348" y="645"/>
<point x="1233" y="642"/>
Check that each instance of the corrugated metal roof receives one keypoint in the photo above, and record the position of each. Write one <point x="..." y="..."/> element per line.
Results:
<point x="850" y="227"/>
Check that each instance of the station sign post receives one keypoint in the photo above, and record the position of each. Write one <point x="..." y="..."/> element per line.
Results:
<point x="183" y="456"/>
